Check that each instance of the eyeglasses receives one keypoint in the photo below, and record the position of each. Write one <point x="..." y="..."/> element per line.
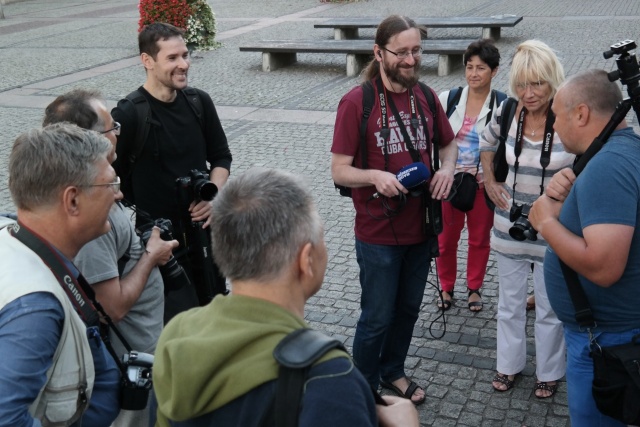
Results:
<point x="535" y="86"/>
<point x="416" y="53"/>
<point x="115" y="186"/>
<point x="115" y="129"/>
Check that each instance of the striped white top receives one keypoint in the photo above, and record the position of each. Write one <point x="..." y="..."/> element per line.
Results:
<point x="528" y="183"/>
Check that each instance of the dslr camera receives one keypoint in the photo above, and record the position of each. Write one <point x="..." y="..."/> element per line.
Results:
<point x="136" y="380"/>
<point x="173" y="275"/>
<point x="521" y="228"/>
<point x="196" y="186"/>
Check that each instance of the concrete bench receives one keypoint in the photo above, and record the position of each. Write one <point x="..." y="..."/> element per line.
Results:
<point x="280" y="53"/>
<point x="347" y="28"/>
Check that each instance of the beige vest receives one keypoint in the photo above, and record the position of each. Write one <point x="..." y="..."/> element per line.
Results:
<point x="72" y="373"/>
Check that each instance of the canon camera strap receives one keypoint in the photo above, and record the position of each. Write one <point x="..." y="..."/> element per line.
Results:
<point x="545" y="149"/>
<point x="384" y="118"/>
<point x="77" y="289"/>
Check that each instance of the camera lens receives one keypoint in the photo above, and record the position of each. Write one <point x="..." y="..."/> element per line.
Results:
<point x="173" y="276"/>
<point x="206" y="190"/>
<point x="517" y="232"/>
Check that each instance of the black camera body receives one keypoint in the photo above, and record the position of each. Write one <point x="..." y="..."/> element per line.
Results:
<point x="173" y="275"/>
<point x="136" y="380"/>
<point x="196" y="186"/>
<point x="521" y="228"/>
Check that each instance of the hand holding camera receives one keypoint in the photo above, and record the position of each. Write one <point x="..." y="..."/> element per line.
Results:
<point x="173" y="275"/>
<point x="196" y="191"/>
<point x="160" y="251"/>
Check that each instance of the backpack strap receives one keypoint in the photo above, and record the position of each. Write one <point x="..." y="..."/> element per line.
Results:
<point x="368" y="95"/>
<point x="500" y="96"/>
<point x="295" y="354"/>
<point x="143" y="113"/>
<point x="194" y="101"/>
<point x="508" y="111"/>
<point x="500" y="166"/>
<point x="435" y="139"/>
<point x="453" y="99"/>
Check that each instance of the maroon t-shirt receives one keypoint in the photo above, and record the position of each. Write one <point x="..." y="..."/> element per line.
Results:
<point x="405" y="228"/>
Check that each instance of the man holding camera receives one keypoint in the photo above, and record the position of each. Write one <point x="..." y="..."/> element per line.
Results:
<point x="395" y="234"/>
<point x="55" y="368"/>
<point x="216" y="365"/>
<point x="591" y="224"/>
<point x="122" y="270"/>
<point x="169" y="131"/>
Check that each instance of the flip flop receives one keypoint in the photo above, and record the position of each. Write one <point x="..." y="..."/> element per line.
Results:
<point x="408" y="393"/>
<point x="444" y="304"/>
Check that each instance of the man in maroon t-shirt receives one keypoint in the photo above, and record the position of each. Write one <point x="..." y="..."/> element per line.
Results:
<point x="393" y="243"/>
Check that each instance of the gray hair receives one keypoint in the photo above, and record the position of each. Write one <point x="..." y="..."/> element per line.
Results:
<point x="260" y="220"/>
<point x="534" y="60"/>
<point x="75" y="107"/>
<point x="45" y="161"/>
<point x="593" y="88"/>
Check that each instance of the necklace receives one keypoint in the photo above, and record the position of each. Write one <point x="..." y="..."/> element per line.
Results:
<point x="533" y="131"/>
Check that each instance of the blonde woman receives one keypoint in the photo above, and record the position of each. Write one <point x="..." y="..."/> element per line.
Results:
<point x="534" y="78"/>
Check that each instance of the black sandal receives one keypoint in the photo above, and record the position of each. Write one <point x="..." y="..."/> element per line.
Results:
<point x="503" y="379"/>
<point x="544" y="385"/>
<point x="408" y="393"/>
<point x="445" y="304"/>
<point x="475" y="303"/>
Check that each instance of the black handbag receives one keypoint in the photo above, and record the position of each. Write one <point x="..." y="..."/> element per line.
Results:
<point x="616" y="380"/>
<point x="465" y="186"/>
<point x="616" y="369"/>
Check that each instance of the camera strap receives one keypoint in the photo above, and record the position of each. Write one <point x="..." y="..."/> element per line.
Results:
<point x="384" y="123"/>
<point x="75" y="286"/>
<point x="545" y="149"/>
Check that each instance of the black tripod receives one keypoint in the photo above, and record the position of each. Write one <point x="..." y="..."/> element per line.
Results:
<point x="629" y="74"/>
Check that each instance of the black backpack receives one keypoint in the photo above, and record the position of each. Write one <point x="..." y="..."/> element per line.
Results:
<point x="145" y="120"/>
<point x="368" y="94"/>
<point x="296" y="353"/>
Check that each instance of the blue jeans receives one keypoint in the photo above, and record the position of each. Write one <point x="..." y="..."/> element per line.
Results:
<point x="582" y="407"/>
<point x="393" y="279"/>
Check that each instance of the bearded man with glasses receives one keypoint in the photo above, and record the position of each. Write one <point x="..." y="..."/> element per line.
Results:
<point x="394" y="243"/>
<point x="121" y="269"/>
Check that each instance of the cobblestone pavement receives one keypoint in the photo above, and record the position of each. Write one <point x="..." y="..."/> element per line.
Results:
<point x="285" y="119"/>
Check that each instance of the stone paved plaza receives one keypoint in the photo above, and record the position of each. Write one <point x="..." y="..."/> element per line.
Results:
<point x="285" y="119"/>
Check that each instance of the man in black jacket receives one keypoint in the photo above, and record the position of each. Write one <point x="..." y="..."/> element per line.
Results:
<point x="168" y="131"/>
